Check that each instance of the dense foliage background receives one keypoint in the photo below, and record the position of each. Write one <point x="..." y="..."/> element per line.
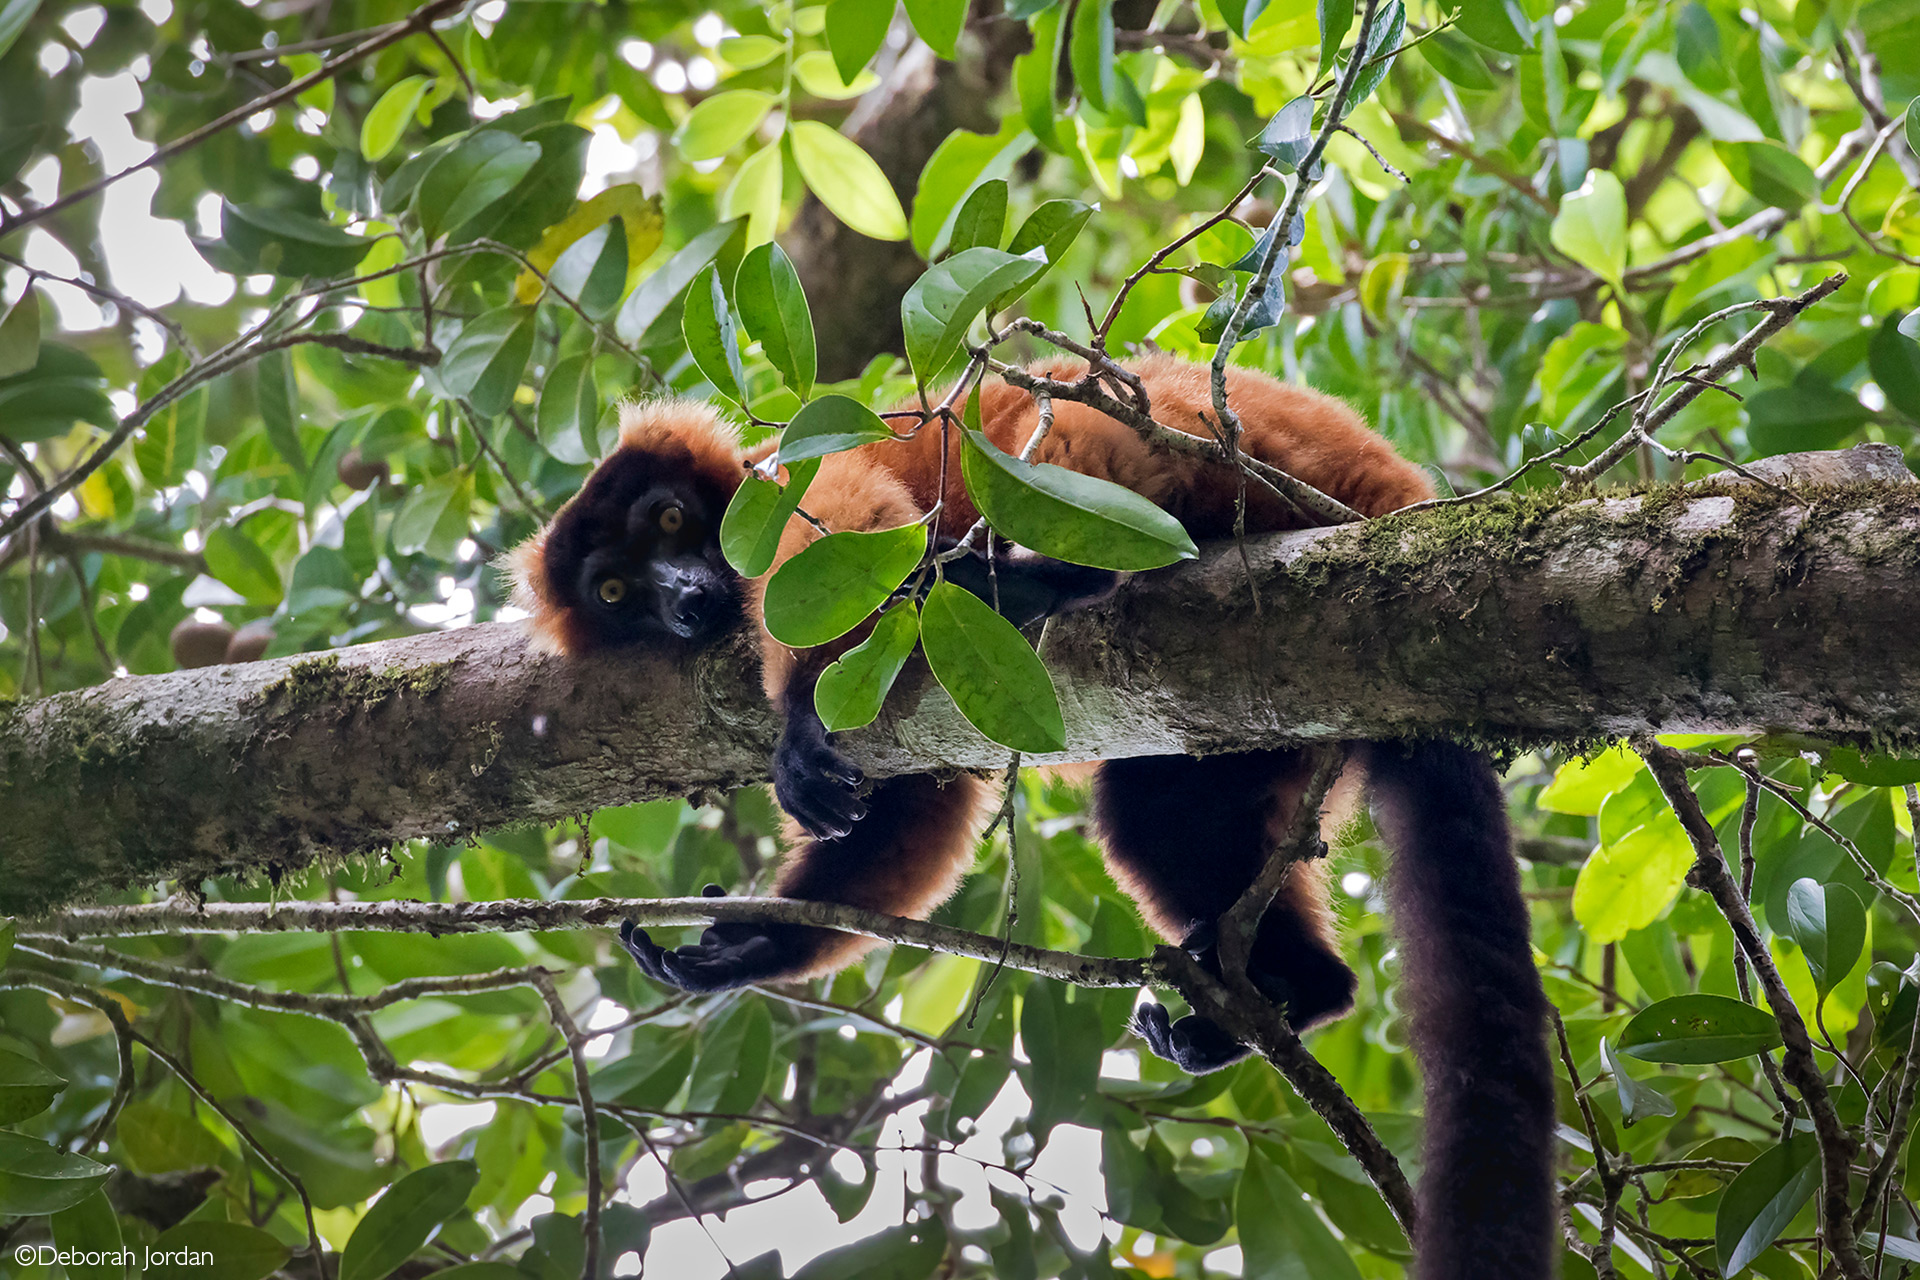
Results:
<point x="294" y="386"/>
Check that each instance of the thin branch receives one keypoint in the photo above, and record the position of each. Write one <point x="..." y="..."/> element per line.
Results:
<point x="589" y="1114"/>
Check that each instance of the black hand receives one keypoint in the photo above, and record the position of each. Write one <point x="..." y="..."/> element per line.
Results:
<point x="1195" y="1044"/>
<point x="729" y="954"/>
<point x="816" y="785"/>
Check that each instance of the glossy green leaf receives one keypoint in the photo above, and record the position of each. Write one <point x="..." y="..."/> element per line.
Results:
<point x="1591" y="227"/>
<point x="38" y="1179"/>
<point x="907" y="1252"/>
<point x="1242" y="14"/>
<point x="1579" y="786"/>
<point x="541" y="198"/>
<point x="1759" y="1203"/>
<point x="1052" y="228"/>
<point x="1068" y="515"/>
<point x="237" y="1252"/>
<point x="707" y="323"/>
<point x="593" y="269"/>
<point x="169" y="443"/>
<point x="483" y="167"/>
<point x="1893" y="358"/>
<point x="1633" y="876"/>
<point x="855" y="31"/>
<point x="847" y="180"/>
<point x="569" y="411"/>
<point x="14" y="16"/>
<point x="718" y="124"/>
<point x="1498" y="24"/>
<point x="940" y="305"/>
<point x="26" y="1087"/>
<point x="735" y="1053"/>
<point x="380" y="131"/>
<point x="1336" y="19"/>
<point x="20" y="334"/>
<point x="156" y="1140"/>
<point x="1699" y="1028"/>
<point x="852" y="690"/>
<point x="1637" y="1100"/>
<point x="285" y="243"/>
<point x="485" y="362"/>
<point x="279" y="400"/>
<point x="820" y="76"/>
<point x="757" y="516"/>
<point x="651" y="1081"/>
<point x="404" y="1219"/>
<point x="1805" y="414"/>
<point x="773" y="309"/>
<point x="754" y="193"/>
<point x="830" y="588"/>
<point x="1454" y="57"/>
<point x="1389" y="29"/>
<point x="1280" y="1235"/>
<point x="1090" y="52"/>
<point x="1870" y="771"/>
<point x="938" y="22"/>
<point x="434" y="517"/>
<point x="322" y="580"/>
<point x="1772" y="173"/>
<point x="993" y="675"/>
<point x="1062" y="1036"/>
<point x="1912" y="126"/>
<point x="747" y="52"/>
<point x="1287" y="137"/>
<point x="830" y="425"/>
<point x="1829" y="926"/>
<point x="657" y="292"/>
<point x="1035" y="79"/>
<point x="959" y="166"/>
<point x="1899" y="1248"/>
<point x="981" y="218"/>
<point x="238" y="561"/>
<point x="88" y="1230"/>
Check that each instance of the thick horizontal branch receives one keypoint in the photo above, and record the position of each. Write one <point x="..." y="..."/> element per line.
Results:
<point x="1513" y="621"/>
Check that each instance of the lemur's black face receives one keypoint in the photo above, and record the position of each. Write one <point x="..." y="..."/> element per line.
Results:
<point x="636" y="556"/>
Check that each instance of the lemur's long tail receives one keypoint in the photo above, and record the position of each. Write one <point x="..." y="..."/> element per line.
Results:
<point x="1477" y="1015"/>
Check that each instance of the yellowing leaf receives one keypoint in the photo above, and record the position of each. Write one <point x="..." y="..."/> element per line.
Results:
<point x="639" y="212"/>
<point x="847" y="181"/>
<point x="1627" y="884"/>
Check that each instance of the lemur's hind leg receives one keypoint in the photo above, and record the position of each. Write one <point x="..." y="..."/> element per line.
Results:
<point x="1185" y="836"/>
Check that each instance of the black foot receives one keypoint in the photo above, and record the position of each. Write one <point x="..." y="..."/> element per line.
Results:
<point x="729" y="954"/>
<point x="1195" y="1044"/>
<point x="816" y="785"/>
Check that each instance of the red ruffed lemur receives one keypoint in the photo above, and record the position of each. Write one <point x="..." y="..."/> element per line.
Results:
<point x="634" y="559"/>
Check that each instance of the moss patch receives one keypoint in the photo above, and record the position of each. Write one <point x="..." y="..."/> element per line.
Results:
<point x="324" y="682"/>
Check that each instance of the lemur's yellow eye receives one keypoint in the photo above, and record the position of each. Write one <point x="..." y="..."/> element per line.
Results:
<point x="613" y="590"/>
<point x="671" y="518"/>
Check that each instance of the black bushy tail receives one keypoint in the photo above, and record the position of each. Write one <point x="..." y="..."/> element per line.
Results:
<point x="1477" y="1015"/>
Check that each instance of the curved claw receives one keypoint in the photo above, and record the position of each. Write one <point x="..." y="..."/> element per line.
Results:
<point x="817" y="786"/>
<point x="729" y="954"/>
<point x="1195" y="1044"/>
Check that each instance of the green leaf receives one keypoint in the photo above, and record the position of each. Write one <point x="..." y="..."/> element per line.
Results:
<point x="7" y="931"/>
<point x="1281" y="1236"/>
<point x="1287" y="137"/>
<point x="719" y="124"/>
<point x="1772" y="173"/>
<point x="938" y="22"/>
<point x="1062" y="1038"/>
<point x="1632" y="877"/>
<point x="169" y="444"/>
<point x="593" y="269"/>
<point x="1067" y="515"/>
<point x="1454" y="57"/>
<point x="322" y="580"/>
<point x="541" y="198"/>
<point x="26" y="1087"/>
<point x="852" y="690"/>
<point x="1336" y="18"/>
<point x="734" y="1057"/>
<point x="981" y="219"/>
<point x="1759" y="1203"/>
<point x="14" y="17"/>
<point x="1637" y="1100"/>
<point x="773" y="309"/>
<point x="1035" y="78"/>
<point x="1242" y="14"/>
<point x="1389" y="27"/>
<point x="485" y="362"/>
<point x="707" y="323"/>
<point x="649" y="1082"/>
<point x="1898" y="1247"/>
<point x="754" y="193"/>
<point x="993" y="675"/>
<point x="434" y="518"/>
<point x="830" y="425"/>
<point x="1829" y="926"/>
<point x="1893" y="358"/>
<point x="750" y="531"/>
<point x="479" y="161"/>
<point x="961" y="164"/>
<point x="940" y="305"/>
<point x="1591" y="227"/>
<point x="1497" y="24"/>
<point x="38" y="1179"/>
<point x="1053" y="228"/>
<point x="657" y="292"/>
<point x="238" y="561"/>
<point x="830" y="588"/>
<point x="284" y="243"/>
<point x="747" y="52"/>
<point x="569" y="411"/>
<point x="1805" y="414"/>
<point x="1870" y="771"/>
<point x="1693" y="1029"/>
<point x="20" y="334"/>
<point x="279" y="401"/>
<point x="404" y="1219"/>
<point x="846" y="180"/>
<point x="218" y="1251"/>
<point x="380" y="131"/>
<point x="908" y="1252"/>
<point x="855" y="31"/>
<point x="1090" y="52"/>
<point x="819" y="75"/>
<point x="90" y="1227"/>
<point x="1912" y="125"/>
<point x="156" y="1140"/>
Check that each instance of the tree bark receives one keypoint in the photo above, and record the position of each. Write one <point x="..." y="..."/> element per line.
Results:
<point x="1504" y="624"/>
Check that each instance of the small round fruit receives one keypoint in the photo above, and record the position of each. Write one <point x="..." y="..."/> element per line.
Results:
<point x="357" y="472"/>
<point x="200" y="644"/>
<point x="250" y="641"/>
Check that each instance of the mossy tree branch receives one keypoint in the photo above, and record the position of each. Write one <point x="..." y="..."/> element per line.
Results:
<point x="1523" y="621"/>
